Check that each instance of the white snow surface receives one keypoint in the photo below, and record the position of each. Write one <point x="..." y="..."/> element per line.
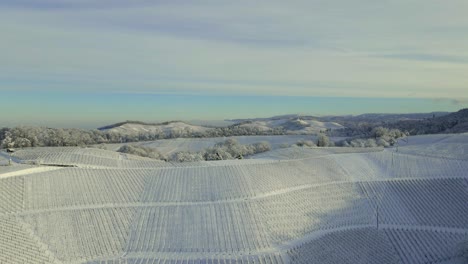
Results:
<point x="293" y="205"/>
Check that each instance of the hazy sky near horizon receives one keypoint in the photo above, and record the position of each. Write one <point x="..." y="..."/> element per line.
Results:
<point x="220" y="55"/>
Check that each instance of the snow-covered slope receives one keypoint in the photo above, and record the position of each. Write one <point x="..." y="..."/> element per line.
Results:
<point x="83" y="157"/>
<point x="298" y="205"/>
<point x="440" y="145"/>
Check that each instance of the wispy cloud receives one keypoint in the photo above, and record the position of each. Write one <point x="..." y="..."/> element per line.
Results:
<point x="426" y="57"/>
<point x="324" y="48"/>
<point x="75" y="4"/>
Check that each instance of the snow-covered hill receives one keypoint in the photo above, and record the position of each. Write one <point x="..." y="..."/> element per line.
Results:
<point x="182" y="129"/>
<point x="292" y="126"/>
<point x="166" y="128"/>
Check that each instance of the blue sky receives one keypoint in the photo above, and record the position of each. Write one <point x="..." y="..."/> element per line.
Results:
<point x="82" y="62"/>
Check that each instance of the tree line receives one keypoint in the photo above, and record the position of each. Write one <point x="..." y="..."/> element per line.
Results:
<point x="31" y="136"/>
<point x="227" y="150"/>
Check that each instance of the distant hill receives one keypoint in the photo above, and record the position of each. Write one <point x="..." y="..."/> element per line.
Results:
<point x="456" y="122"/>
<point x="132" y="122"/>
<point x="291" y="124"/>
<point x="280" y="117"/>
<point x="382" y="117"/>
<point x="415" y="123"/>
<point x="342" y="119"/>
<point x="132" y="127"/>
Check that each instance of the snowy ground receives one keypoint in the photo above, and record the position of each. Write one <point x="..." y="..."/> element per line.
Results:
<point x="292" y="205"/>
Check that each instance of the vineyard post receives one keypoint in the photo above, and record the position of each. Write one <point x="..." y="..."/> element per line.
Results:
<point x="9" y="157"/>
<point x="377" y="216"/>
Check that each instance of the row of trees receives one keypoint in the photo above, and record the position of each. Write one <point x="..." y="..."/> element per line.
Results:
<point x="29" y="136"/>
<point x="230" y="149"/>
<point x="23" y="136"/>
<point x="142" y="152"/>
<point x="377" y="137"/>
<point x="322" y="141"/>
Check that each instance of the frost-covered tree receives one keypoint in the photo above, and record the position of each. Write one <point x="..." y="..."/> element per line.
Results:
<point x="8" y="142"/>
<point x="305" y="143"/>
<point x="142" y="152"/>
<point x="185" y="156"/>
<point x="262" y="147"/>
<point x="323" y="141"/>
<point x="382" y="142"/>
<point x="229" y="149"/>
<point x="22" y="143"/>
<point x="379" y="136"/>
<point x="217" y="153"/>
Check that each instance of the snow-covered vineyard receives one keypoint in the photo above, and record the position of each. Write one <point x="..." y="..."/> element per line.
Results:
<point x="293" y="205"/>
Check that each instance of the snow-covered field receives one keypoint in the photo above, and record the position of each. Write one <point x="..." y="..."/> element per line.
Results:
<point x="289" y="205"/>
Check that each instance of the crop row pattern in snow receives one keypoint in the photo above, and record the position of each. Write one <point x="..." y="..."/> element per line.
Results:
<point x="423" y="246"/>
<point x="444" y="146"/>
<point x="83" y="187"/>
<point x="293" y="215"/>
<point x="366" y="245"/>
<point x="222" y="259"/>
<point x="399" y="165"/>
<point x="389" y="245"/>
<point x="87" y="157"/>
<point x="83" y="234"/>
<point x="232" y="182"/>
<point x="207" y="183"/>
<point x="232" y="227"/>
<point x="306" y="152"/>
<point x="427" y="202"/>
<point x="11" y="195"/>
<point x="18" y="246"/>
